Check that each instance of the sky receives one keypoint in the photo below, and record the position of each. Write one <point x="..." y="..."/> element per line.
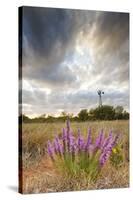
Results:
<point x="68" y="55"/>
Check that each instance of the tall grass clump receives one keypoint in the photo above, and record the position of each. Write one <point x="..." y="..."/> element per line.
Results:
<point x="76" y="155"/>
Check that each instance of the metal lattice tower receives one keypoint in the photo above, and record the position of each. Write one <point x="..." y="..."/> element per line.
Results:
<point x="100" y="93"/>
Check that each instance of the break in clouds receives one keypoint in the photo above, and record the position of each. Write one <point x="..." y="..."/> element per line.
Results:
<point x="68" y="55"/>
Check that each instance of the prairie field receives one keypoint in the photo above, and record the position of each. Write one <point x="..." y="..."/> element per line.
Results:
<point x="40" y="174"/>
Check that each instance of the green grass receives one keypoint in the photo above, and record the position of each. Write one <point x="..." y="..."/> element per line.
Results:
<point x="48" y="179"/>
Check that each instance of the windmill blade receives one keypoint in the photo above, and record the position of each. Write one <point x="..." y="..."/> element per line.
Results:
<point x="99" y="92"/>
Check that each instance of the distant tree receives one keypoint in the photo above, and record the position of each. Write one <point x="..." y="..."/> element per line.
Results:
<point x="105" y="112"/>
<point x="63" y="114"/>
<point x="43" y="116"/>
<point x="50" y="118"/>
<point x="119" y="112"/>
<point x="119" y="109"/>
<point x="75" y="118"/>
<point x="91" y="114"/>
<point x="70" y="115"/>
<point x="91" y="111"/>
<point x="83" y="115"/>
<point x="125" y="115"/>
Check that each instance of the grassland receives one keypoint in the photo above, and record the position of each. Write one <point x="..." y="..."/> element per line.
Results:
<point x="39" y="173"/>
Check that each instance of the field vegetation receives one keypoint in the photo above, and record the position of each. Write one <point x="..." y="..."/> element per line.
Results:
<point x="41" y="174"/>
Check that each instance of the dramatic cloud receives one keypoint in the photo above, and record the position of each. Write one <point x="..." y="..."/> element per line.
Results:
<point x="69" y="54"/>
<point x="112" y="45"/>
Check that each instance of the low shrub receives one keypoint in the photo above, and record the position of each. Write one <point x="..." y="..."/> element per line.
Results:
<point x="116" y="157"/>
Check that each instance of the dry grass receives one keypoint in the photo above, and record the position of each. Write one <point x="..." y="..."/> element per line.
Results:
<point x="39" y="173"/>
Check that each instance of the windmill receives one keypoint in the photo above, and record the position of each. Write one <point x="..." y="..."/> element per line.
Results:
<point x="100" y="93"/>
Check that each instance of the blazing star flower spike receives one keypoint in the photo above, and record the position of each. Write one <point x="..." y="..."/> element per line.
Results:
<point x="80" y="141"/>
<point x="99" y="140"/>
<point x="88" y="140"/>
<point x="59" y="146"/>
<point x="79" y="153"/>
<point x="50" y="150"/>
<point x="64" y="134"/>
<point x="71" y="142"/>
<point x="68" y="125"/>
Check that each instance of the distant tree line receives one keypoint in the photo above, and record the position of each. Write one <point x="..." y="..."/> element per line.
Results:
<point x="105" y="112"/>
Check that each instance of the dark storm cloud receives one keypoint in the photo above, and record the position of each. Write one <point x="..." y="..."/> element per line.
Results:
<point x="51" y="77"/>
<point x="46" y="29"/>
<point x="46" y="36"/>
<point x="49" y="36"/>
<point x="112" y="29"/>
<point x="111" y="38"/>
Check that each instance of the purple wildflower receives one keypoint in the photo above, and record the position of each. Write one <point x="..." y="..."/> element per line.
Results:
<point x="55" y="145"/>
<point x="64" y="134"/>
<point x="80" y="141"/>
<point x="103" y="159"/>
<point x="100" y="149"/>
<point x="107" y="149"/>
<point x="71" y="142"/>
<point x="104" y="156"/>
<point x="88" y="140"/>
<point x="115" y="140"/>
<point x="68" y="125"/>
<point x="59" y="146"/>
<point x="68" y="133"/>
<point x="74" y="147"/>
<point x="50" y="150"/>
<point x="106" y="141"/>
<point x="99" y="140"/>
<point x="64" y="139"/>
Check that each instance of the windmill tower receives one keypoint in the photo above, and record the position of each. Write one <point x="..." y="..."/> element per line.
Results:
<point x="100" y="93"/>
